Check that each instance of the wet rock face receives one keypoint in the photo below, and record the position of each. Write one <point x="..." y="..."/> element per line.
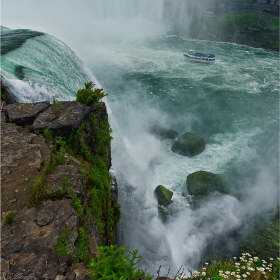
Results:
<point x="189" y="144"/>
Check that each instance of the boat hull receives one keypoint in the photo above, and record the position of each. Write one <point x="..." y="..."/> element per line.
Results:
<point x="200" y="57"/>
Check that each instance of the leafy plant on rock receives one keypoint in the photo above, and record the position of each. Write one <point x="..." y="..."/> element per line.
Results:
<point x="9" y="218"/>
<point x="90" y="96"/>
<point x="63" y="240"/>
<point x="117" y="263"/>
<point x="82" y="254"/>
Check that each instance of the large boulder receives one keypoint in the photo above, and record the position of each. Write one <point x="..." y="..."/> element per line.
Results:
<point x="189" y="144"/>
<point x="24" y="113"/>
<point x="163" y="132"/>
<point x="201" y="183"/>
<point x="62" y="117"/>
<point x="163" y="195"/>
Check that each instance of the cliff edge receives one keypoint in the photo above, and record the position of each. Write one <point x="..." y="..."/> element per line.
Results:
<point x="57" y="204"/>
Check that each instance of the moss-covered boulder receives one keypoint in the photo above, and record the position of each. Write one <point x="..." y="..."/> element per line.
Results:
<point x="189" y="144"/>
<point x="201" y="183"/>
<point x="163" y="195"/>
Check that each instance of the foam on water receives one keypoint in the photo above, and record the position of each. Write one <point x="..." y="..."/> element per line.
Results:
<point x="233" y="104"/>
<point x="52" y="71"/>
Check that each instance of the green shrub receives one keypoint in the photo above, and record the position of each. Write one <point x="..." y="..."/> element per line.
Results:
<point x="85" y="152"/>
<point x="36" y="131"/>
<point x="76" y="202"/>
<point x="38" y="191"/>
<point x="89" y="96"/>
<point x="47" y="134"/>
<point x="63" y="240"/>
<point x="59" y="145"/>
<point x="58" y="159"/>
<point x="82" y="254"/>
<point x="9" y="217"/>
<point x="117" y="263"/>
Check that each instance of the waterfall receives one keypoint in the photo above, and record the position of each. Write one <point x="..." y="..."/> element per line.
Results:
<point x="233" y="104"/>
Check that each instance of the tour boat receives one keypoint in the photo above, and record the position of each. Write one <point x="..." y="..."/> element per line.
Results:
<point x="197" y="56"/>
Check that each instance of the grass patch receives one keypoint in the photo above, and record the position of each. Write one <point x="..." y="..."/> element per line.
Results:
<point x="82" y="254"/>
<point x="76" y="202"/>
<point x="117" y="263"/>
<point x="38" y="191"/>
<point x="63" y="240"/>
<point x="9" y="217"/>
<point x="56" y="108"/>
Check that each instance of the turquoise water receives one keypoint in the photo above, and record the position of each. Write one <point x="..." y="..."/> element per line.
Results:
<point x="233" y="104"/>
<point x="41" y="68"/>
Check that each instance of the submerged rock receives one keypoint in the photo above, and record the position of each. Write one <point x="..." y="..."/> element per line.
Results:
<point x="163" y="133"/>
<point x="31" y="239"/>
<point x="201" y="183"/>
<point x="163" y="195"/>
<point x="189" y="144"/>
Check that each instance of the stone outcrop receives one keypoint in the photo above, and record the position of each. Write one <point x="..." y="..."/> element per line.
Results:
<point x="62" y="117"/>
<point x="23" y="158"/>
<point x="189" y="144"/>
<point x="163" y="195"/>
<point x="24" y="113"/>
<point x="40" y="193"/>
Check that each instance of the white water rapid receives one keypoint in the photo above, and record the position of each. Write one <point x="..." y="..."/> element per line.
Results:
<point x="233" y="104"/>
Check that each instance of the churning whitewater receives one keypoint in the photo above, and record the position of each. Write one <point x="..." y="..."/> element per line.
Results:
<point x="233" y="104"/>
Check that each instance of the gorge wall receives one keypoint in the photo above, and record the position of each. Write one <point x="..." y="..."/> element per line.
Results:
<point x="56" y="200"/>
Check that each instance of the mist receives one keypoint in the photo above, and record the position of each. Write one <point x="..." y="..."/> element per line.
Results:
<point x="116" y="40"/>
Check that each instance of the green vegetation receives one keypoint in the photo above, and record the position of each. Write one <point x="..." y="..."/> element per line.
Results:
<point x="47" y="134"/>
<point x="60" y="148"/>
<point x="56" y="108"/>
<point x="63" y="240"/>
<point x="89" y="96"/>
<point x="9" y="217"/>
<point x="253" y="28"/>
<point x="245" y="267"/>
<point x="76" y="202"/>
<point x="38" y="191"/>
<point x="263" y="239"/>
<point x="19" y="128"/>
<point x="82" y="254"/>
<point x="5" y="97"/>
<point x="117" y="264"/>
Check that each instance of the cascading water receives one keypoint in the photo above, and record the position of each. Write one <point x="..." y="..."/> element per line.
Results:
<point x="233" y="104"/>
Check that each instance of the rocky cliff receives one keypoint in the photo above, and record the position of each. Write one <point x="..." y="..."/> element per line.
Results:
<point x="56" y="200"/>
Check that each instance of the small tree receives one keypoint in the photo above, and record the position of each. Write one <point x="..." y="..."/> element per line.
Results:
<point x="89" y="96"/>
